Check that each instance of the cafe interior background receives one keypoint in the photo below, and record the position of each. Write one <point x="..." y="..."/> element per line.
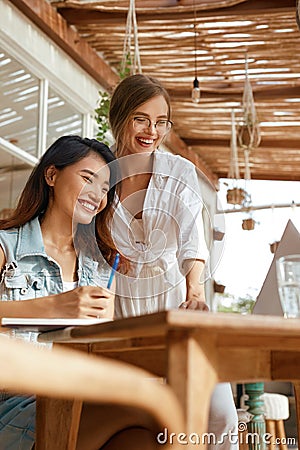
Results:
<point x="232" y="69"/>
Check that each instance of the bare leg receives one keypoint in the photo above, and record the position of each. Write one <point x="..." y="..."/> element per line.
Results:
<point x="101" y="426"/>
<point x="133" y="438"/>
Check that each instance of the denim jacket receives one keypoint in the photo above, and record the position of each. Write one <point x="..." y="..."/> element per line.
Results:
<point x="30" y="273"/>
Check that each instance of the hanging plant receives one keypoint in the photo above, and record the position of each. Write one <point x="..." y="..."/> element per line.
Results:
<point x="131" y="61"/>
<point x="248" y="130"/>
<point x="248" y="133"/>
<point x="130" y="64"/>
<point x="220" y="288"/>
<point x="248" y="224"/>
<point x="125" y="66"/>
<point x="101" y="117"/>
<point x="102" y="110"/>
<point x="236" y="196"/>
<point x="273" y="246"/>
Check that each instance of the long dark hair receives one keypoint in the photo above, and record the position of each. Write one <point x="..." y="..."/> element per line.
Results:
<point x="34" y="199"/>
<point x="129" y="94"/>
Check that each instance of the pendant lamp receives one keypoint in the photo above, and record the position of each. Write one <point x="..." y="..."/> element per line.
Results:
<point x="196" y="88"/>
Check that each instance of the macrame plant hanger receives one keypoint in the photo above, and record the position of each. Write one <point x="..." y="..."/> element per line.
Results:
<point x="235" y="195"/>
<point x="249" y="131"/>
<point x="130" y="65"/>
<point x="234" y="171"/>
<point x="131" y="61"/>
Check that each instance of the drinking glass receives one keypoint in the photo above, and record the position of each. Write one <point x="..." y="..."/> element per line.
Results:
<point x="288" y="279"/>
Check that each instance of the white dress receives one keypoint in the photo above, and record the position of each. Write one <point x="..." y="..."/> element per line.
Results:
<point x="170" y="232"/>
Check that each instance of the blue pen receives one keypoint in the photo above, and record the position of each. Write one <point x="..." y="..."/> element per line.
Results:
<point x="113" y="270"/>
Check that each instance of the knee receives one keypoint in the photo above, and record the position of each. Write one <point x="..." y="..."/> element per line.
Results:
<point x="224" y="419"/>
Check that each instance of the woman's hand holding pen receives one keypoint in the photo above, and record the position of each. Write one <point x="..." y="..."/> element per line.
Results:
<point x="82" y="302"/>
<point x="88" y="301"/>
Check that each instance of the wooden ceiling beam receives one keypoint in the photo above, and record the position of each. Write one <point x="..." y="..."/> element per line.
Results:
<point x="50" y="22"/>
<point x="271" y="175"/>
<point x="228" y="93"/>
<point x="86" y="13"/>
<point x="284" y="144"/>
<point x="207" y="125"/>
<point x="146" y="5"/>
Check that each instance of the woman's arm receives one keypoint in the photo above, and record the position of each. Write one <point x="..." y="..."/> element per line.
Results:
<point x="82" y="302"/>
<point x="191" y="240"/>
<point x="195" y="294"/>
<point x="192" y="249"/>
<point x="30" y="308"/>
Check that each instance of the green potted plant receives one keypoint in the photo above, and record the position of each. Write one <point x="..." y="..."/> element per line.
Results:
<point x="273" y="246"/>
<point x="236" y="196"/>
<point x="101" y="117"/>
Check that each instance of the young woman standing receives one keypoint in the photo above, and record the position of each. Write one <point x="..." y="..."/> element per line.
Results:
<point x="157" y="224"/>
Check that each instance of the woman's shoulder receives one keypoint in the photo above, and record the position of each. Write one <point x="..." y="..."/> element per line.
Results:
<point x="166" y="160"/>
<point x="9" y="233"/>
<point x="2" y="257"/>
<point x="26" y="233"/>
<point x="8" y="240"/>
<point x="8" y="244"/>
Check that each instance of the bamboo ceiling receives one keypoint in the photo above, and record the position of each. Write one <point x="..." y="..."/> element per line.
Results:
<point x="226" y="29"/>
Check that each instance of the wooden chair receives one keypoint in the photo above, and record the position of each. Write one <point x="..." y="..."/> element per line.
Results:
<point x="70" y="374"/>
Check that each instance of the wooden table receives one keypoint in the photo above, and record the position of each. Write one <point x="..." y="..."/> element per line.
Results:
<point x="193" y="350"/>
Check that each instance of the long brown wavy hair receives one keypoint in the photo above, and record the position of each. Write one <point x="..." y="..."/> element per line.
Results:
<point x="34" y="199"/>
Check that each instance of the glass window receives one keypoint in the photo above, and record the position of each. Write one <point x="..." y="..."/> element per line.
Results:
<point x="62" y="118"/>
<point x="19" y="94"/>
<point x="19" y="107"/>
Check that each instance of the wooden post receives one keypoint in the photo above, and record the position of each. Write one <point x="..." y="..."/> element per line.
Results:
<point x="257" y="426"/>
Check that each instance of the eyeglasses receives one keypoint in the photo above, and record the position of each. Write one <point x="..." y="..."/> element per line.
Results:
<point x="162" y="126"/>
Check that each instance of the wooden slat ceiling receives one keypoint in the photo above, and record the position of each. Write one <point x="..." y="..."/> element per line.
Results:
<point x="226" y="29"/>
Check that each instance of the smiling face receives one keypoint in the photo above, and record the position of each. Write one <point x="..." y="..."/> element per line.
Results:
<point x="79" y="191"/>
<point x="140" y="139"/>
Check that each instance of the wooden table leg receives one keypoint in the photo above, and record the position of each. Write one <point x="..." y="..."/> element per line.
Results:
<point x="57" y="420"/>
<point x="57" y="424"/>
<point x="297" y="401"/>
<point x="193" y="378"/>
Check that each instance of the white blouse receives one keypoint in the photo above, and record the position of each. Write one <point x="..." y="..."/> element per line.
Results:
<point x="69" y="285"/>
<point x="170" y="232"/>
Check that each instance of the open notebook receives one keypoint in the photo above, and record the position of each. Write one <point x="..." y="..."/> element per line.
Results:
<point x="268" y="301"/>
<point x="42" y="324"/>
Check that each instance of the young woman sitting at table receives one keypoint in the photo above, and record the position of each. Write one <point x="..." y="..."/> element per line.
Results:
<point x="55" y="258"/>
